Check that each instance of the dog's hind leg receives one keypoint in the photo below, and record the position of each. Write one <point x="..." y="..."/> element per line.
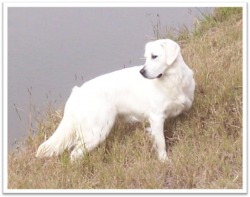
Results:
<point x="90" y="137"/>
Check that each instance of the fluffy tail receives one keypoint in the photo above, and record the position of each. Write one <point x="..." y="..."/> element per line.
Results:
<point x="62" y="139"/>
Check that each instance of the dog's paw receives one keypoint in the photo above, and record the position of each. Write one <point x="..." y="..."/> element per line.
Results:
<point x="163" y="157"/>
<point x="76" y="154"/>
<point x="148" y="130"/>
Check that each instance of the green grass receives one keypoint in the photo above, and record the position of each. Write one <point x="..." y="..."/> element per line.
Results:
<point x="204" y="144"/>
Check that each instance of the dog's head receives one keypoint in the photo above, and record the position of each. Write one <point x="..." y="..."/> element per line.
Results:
<point x="160" y="55"/>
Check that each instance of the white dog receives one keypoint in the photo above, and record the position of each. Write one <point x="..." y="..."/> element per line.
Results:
<point x="162" y="88"/>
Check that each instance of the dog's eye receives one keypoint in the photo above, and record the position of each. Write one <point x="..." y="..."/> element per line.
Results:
<point x="154" y="56"/>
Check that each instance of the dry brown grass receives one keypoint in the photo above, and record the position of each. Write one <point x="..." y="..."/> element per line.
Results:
<point x="204" y="144"/>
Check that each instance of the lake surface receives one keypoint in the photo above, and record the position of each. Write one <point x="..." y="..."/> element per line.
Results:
<point x="50" y="50"/>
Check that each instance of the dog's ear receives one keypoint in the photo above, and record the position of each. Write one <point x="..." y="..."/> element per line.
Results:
<point x="172" y="50"/>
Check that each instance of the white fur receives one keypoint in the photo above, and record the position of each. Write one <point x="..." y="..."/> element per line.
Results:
<point x="162" y="88"/>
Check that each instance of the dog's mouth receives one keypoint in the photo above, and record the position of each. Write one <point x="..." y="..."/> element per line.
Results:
<point x="159" y="76"/>
<point x="144" y="74"/>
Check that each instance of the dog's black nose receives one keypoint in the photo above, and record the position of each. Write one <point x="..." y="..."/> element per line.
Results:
<point x="142" y="71"/>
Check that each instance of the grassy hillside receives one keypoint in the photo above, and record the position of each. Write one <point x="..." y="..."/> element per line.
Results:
<point x="204" y="144"/>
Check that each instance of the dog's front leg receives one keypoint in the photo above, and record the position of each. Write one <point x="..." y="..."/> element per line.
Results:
<point x="157" y="132"/>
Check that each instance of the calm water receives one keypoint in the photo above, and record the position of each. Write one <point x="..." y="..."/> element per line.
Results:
<point x="50" y="50"/>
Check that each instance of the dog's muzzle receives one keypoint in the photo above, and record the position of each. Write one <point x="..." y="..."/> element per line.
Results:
<point x="144" y="74"/>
